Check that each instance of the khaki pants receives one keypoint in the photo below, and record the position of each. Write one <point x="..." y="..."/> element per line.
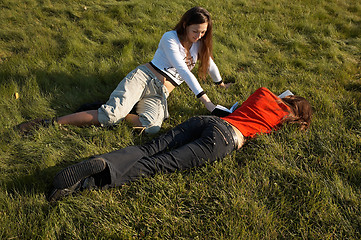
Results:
<point x="140" y="88"/>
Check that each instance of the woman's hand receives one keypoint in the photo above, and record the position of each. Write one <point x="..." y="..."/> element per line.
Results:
<point x="225" y="85"/>
<point x="207" y="102"/>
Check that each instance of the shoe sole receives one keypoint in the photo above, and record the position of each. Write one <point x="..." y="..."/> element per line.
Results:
<point x="77" y="172"/>
<point x="57" y="194"/>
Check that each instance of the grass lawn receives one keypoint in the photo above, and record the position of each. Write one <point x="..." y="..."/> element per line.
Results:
<point x="58" y="55"/>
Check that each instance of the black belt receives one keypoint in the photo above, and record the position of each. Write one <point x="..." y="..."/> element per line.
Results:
<point x="164" y="75"/>
<point x="233" y="133"/>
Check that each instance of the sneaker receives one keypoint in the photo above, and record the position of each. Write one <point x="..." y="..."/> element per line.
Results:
<point x="72" y="178"/>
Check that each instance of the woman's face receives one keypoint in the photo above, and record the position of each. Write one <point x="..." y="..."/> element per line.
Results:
<point x="196" y="32"/>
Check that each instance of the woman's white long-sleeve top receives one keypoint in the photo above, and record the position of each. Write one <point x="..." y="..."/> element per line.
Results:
<point x="171" y="59"/>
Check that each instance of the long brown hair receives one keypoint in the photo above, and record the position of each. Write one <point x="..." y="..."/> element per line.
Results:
<point x="198" y="15"/>
<point x="301" y="111"/>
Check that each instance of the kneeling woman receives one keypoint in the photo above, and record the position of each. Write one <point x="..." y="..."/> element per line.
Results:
<point x="191" y="144"/>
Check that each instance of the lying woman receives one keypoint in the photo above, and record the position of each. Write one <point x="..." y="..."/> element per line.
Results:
<point x="191" y="144"/>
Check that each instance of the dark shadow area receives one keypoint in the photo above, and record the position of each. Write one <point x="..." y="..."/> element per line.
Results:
<point x="37" y="182"/>
<point x="353" y="87"/>
<point x="72" y="91"/>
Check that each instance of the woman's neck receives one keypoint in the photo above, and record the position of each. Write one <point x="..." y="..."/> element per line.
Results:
<point x="185" y="42"/>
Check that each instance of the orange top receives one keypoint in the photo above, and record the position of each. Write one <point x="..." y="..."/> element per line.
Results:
<point x="260" y="113"/>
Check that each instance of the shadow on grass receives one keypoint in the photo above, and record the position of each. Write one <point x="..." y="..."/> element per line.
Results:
<point x="64" y="92"/>
<point x="38" y="182"/>
<point x="354" y="89"/>
<point x="69" y="92"/>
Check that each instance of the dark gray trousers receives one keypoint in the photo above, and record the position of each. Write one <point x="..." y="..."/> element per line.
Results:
<point x="191" y="144"/>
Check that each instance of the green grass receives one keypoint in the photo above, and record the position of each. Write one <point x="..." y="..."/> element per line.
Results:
<point x="287" y="185"/>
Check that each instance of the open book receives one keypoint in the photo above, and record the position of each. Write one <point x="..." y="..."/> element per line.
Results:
<point x="285" y="94"/>
<point x="231" y="110"/>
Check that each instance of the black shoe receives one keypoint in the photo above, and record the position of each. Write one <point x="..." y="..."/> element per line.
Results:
<point x="34" y="124"/>
<point x="72" y="178"/>
<point x="56" y="194"/>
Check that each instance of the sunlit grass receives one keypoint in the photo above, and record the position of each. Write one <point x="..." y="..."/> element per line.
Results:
<point x="286" y="185"/>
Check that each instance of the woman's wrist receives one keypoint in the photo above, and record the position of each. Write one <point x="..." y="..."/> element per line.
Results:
<point x="210" y="106"/>
<point x="207" y="102"/>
